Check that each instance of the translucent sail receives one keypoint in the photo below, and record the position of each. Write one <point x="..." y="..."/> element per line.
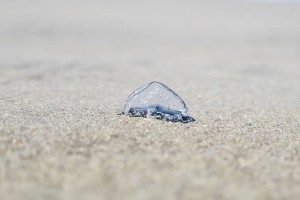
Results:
<point x="158" y="101"/>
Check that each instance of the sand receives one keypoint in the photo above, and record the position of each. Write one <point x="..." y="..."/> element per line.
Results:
<point x="66" y="68"/>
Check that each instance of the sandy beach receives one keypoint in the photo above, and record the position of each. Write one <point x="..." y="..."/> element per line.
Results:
<point x="67" y="67"/>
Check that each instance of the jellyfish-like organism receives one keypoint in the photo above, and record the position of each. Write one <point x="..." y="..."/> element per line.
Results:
<point x="156" y="100"/>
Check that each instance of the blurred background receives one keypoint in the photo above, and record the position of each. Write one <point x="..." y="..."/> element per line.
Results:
<point x="150" y="31"/>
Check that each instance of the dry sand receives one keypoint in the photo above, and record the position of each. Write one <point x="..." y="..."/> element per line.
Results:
<point x="66" y="68"/>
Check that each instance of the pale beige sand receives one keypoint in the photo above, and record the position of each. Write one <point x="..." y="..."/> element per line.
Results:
<point x="66" y="68"/>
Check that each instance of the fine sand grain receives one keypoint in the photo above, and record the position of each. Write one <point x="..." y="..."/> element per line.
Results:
<point x="66" y="68"/>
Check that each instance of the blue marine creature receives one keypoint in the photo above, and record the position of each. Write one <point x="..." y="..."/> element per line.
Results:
<point x="156" y="100"/>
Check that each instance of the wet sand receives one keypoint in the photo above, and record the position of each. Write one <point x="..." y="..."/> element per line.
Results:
<point x="66" y="69"/>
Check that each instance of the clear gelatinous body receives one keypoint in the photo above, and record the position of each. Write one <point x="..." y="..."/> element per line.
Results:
<point x="158" y="101"/>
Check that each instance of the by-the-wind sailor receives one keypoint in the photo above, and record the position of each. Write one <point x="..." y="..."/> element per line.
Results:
<point x="156" y="100"/>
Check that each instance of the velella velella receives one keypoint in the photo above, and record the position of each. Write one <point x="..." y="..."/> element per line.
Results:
<point x="156" y="100"/>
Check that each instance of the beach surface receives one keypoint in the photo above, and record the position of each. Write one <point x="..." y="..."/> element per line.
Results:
<point x="67" y="67"/>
